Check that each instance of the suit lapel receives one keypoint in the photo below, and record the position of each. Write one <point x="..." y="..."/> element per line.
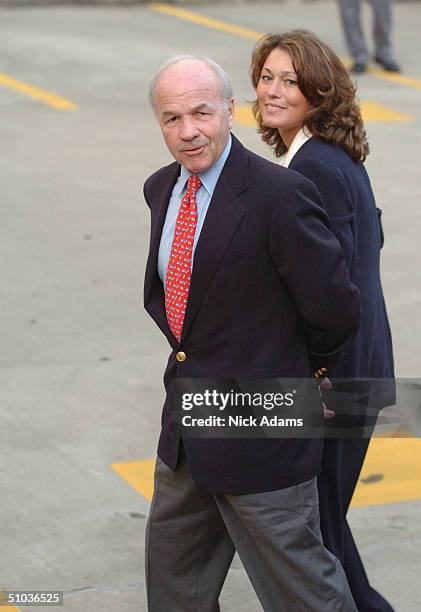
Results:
<point x="222" y="220"/>
<point x="154" y="292"/>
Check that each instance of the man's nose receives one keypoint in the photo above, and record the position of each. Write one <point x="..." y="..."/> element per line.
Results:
<point x="188" y="129"/>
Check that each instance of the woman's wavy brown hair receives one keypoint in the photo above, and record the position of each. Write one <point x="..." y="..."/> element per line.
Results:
<point x="324" y="81"/>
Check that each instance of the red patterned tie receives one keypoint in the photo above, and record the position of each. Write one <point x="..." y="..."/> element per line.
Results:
<point x="178" y="277"/>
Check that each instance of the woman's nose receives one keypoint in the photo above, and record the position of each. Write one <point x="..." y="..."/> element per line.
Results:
<point x="275" y="90"/>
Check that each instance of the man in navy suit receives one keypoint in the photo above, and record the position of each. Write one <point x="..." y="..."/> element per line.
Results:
<point x="268" y="295"/>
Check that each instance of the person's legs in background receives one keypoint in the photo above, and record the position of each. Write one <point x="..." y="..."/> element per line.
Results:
<point x="354" y="36"/>
<point x="382" y="27"/>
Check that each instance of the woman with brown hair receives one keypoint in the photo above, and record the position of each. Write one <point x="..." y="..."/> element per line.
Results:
<point x="306" y="110"/>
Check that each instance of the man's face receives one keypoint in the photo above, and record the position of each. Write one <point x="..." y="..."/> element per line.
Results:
<point x="192" y="114"/>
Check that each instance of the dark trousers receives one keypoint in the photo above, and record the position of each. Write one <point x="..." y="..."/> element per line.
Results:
<point x="341" y="466"/>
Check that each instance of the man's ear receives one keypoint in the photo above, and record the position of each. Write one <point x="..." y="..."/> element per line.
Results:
<point x="231" y="112"/>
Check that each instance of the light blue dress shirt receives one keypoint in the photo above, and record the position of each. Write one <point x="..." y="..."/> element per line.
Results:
<point x="203" y="199"/>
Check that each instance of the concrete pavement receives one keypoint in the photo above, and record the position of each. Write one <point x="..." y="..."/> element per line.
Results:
<point x="81" y="363"/>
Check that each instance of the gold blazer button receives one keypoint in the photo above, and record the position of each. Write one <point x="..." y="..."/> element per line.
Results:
<point x="181" y="356"/>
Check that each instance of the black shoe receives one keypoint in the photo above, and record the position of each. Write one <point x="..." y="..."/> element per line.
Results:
<point x="358" y="68"/>
<point x="388" y="65"/>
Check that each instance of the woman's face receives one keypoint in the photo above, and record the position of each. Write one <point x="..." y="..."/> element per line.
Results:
<point x="281" y="103"/>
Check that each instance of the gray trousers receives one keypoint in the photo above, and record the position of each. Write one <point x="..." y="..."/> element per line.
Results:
<point x="351" y="21"/>
<point x="192" y="535"/>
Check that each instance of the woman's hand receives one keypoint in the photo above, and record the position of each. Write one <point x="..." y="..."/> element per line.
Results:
<point x="326" y="385"/>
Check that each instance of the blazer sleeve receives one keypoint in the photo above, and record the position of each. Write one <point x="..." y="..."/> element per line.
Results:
<point x="309" y="259"/>
<point x="336" y="200"/>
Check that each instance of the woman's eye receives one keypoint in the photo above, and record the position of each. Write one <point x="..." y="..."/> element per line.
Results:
<point x="266" y="77"/>
<point x="290" y="82"/>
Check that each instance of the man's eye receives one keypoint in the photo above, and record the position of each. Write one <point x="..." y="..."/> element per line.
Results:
<point x="171" y="120"/>
<point x="202" y="113"/>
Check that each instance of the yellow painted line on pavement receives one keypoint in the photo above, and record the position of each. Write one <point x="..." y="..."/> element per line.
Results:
<point x="209" y="22"/>
<point x="396" y="77"/>
<point x="37" y="93"/>
<point x="371" y="112"/>
<point x="224" y="26"/>
<point x="138" y="474"/>
<point x="244" y="115"/>
<point x="4" y="607"/>
<point x="391" y="473"/>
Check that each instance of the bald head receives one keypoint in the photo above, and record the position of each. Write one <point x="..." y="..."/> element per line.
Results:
<point x="190" y="64"/>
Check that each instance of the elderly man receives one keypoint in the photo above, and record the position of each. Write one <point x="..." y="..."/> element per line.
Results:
<point x="245" y="279"/>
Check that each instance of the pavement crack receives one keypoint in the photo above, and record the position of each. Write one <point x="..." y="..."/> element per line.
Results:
<point x="132" y="586"/>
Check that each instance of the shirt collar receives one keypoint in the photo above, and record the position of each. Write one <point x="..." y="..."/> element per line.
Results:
<point x="210" y="177"/>
<point x="300" y="138"/>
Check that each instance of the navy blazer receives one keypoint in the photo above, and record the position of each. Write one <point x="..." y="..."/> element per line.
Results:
<point x="270" y="296"/>
<point x="347" y="196"/>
